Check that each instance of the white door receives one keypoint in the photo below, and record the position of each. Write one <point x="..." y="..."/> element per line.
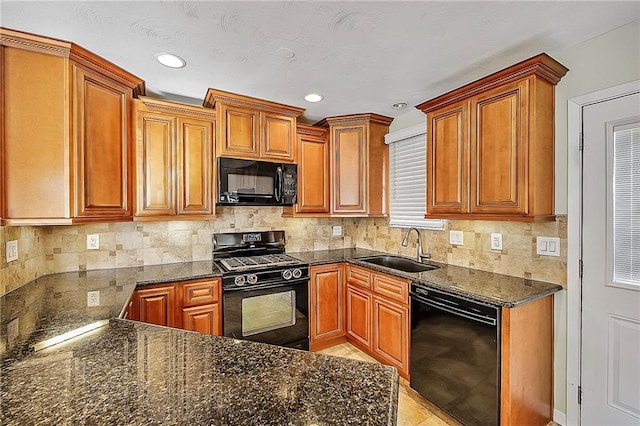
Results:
<point x="610" y="376"/>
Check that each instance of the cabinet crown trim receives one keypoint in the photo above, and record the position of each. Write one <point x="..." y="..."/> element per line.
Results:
<point x="305" y="129"/>
<point x="542" y="66"/>
<point x="66" y="49"/>
<point x="214" y="95"/>
<point x="355" y="119"/>
<point x="176" y="107"/>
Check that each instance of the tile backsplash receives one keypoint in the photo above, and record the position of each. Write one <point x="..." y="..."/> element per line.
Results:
<point x="51" y="249"/>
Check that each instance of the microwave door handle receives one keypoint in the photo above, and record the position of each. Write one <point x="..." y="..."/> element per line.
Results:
<point x="278" y="188"/>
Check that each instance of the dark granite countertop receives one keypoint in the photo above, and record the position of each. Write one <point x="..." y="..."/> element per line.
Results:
<point x="496" y="289"/>
<point x="126" y="372"/>
<point x="129" y="373"/>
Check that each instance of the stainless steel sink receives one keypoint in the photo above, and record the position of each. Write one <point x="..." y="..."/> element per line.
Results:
<point x="400" y="263"/>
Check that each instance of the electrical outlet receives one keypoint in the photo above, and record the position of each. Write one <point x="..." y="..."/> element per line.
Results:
<point x="93" y="298"/>
<point x="548" y="246"/>
<point x="93" y="242"/>
<point x="337" y="230"/>
<point x="11" y="250"/>
<point x="13" y="330"/>
<point x="456" y="238"/>
<point x="496" y="241"/>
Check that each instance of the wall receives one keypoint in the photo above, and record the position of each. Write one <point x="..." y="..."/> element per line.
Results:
<point x="54" y="249"/>
<point x="605" y="61"/>
<point x="31" y="256"/>
<point x="517" y="258"/>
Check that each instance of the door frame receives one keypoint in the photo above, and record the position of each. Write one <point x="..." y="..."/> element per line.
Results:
<point x="574" y="226"/>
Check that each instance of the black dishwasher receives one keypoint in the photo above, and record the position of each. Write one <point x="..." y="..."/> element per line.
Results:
<point x="455" y="355"/>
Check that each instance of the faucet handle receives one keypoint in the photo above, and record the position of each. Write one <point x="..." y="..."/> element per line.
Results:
<point x="424" y="256"/>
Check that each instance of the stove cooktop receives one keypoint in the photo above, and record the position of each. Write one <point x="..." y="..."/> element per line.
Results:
<point x="266" y="261"/>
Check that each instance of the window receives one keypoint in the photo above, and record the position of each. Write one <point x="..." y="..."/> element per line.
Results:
<point x="626" y="205"/>
<point x="407" y="179"/>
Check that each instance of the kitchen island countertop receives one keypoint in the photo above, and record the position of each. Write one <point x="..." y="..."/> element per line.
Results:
<point x="126" y="372"/>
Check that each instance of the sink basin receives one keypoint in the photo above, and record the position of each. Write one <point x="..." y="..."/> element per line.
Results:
<point x="399" y="263"/>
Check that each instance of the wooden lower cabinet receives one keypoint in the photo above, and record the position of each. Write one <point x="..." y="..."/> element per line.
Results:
<point x="156" y="305"/>
<point x="327" y="306"/>
<point x="391" y="333"/>
<point x="203" y="319"/>
<point x="359" y="316"/>
<point x="526" y="384"/>
<point x="191" y="305"/>
<point x="378" y="318"/>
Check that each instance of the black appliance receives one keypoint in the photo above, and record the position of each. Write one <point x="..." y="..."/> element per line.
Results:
<point x="265" y="293"/>
<point x="455" y="355"/>
<point x="256" y="183"/>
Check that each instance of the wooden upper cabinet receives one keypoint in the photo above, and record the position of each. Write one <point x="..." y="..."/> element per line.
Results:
<point x="498" y="161"/>
<point x="173" y="160"/>
<point x="253" y="128"/>
<point x="101" y="111"/>
<point x="447" y="150"/>
<point x="359" y="164"/>
<point x="490" y="145"/>
<point x="279" y="136"/>
<point x="238" y="132"/>
<point x="313" y="172"/>
<point x="66" y="133"/>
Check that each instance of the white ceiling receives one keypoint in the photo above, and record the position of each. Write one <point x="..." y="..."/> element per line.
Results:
<point x="362" y="56"/>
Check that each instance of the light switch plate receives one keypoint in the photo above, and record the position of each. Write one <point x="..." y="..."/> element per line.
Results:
<point x="93" y="242"/>
<point x="496" y="241"/>
<point x="548" y="246"/>
<point x="13" y="330"/>
<point x="11" y="253"/>
<point x="337" y="230"/>
<point x="456" y="238"/>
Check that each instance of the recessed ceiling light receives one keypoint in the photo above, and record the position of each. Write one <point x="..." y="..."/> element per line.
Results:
<point x="170" y="60"/>
<point x="313" y="97"/>
<point x="399" y="105"/>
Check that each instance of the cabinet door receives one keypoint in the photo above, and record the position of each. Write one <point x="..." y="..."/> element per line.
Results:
<point x="155" y="145"/>
<point x="349" y="168"/>
<point x="195" y="167"/>
<point x="102" y="142"/>
<point x="327" y="302"/>
<point x="156" y="305"/>
<point x="200" y="292"/>
<point x="237" y="132"/>
<point x="359" y="316"/>
<point x="391" y="333"/>
<point x="205" y="319"/>
<point x="447" y="159"/>
<point x="313" y="175"/>
<point x="499" y="150"/>
<point x="278" y="137"/>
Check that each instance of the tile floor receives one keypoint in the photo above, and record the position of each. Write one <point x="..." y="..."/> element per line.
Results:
<point x="413" y="410"/>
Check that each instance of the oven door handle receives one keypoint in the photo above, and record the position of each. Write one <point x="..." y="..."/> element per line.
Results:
<point x="268" y="286"/>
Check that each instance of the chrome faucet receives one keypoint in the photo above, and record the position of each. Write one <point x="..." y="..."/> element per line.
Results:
<point x="405" y="241"/>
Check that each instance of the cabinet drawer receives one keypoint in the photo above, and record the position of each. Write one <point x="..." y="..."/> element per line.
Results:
<point x="358" y="276"/>
<point x="391" y="287"/>
<point x="196" y="293"/>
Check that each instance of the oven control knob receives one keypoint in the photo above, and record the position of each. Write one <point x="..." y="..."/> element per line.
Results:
<point x="286" y="274"/>
<point x="252" y="278"/>
<point x="297" y="273"/>
<point x="239" y="280"/>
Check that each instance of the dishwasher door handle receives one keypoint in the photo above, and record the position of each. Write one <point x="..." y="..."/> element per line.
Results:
<point x="454" y="310"/>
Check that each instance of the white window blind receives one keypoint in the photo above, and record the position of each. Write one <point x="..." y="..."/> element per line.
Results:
<point x="626" y="205"/>
<point x="407" y="179"/>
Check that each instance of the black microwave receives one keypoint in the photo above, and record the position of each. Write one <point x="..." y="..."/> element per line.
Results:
<point x="256" y="183"/>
